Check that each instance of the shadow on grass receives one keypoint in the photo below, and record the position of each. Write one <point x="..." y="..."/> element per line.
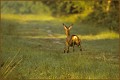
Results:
<point x="42" y="45"/>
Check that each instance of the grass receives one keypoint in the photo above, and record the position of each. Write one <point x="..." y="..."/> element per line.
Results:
<point x="27" y="17"/>
<point x="42" y="43"/>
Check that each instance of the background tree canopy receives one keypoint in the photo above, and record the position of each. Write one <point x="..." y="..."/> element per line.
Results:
<point x="99" y="13"/>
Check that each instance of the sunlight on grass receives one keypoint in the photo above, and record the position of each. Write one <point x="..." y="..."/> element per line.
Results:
<point x="72" y="18"/>
<point x="102" y="35"/>
<point x="27" y="17"/>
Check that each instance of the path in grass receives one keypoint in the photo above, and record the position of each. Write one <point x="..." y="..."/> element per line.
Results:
<point x="41" y="44"/>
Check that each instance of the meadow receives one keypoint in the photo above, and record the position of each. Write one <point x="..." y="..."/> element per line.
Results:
<point x="38" y="42"/>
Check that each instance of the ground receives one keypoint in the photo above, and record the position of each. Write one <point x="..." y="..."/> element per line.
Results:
<point x="39" y="44"/>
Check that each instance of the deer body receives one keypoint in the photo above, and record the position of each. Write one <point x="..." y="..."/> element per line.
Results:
<point x="71" y="40"/>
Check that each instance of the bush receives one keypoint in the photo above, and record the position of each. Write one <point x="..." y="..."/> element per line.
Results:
<point x="24" y="7"/>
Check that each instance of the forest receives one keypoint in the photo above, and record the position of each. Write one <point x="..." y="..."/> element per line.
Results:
<point x="102" y="13"/>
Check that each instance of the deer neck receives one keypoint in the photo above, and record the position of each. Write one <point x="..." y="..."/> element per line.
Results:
<point x="67" y="33"/>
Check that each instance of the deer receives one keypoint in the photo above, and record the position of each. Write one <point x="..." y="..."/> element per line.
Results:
<point x="71" y="40"/>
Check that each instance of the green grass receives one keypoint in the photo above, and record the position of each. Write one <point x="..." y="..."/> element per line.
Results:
<point x="42" y="44"/>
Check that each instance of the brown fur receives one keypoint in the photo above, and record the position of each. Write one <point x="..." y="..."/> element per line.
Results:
<point x="71" y="40"/>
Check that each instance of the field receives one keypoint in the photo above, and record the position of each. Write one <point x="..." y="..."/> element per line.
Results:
<point x="38" y="42"/>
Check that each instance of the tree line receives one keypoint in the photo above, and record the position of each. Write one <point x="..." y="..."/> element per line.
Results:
<point x="103" y="12"/>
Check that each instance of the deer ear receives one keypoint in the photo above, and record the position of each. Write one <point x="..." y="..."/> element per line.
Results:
<point x="64" y="26"/>
<point x="70" y="27"/>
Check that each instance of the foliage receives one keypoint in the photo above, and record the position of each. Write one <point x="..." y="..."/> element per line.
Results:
<point x="101" y="17"/>
<point x="24" y="7"/>
<point x="100" y="13"/>
<point x="68" y="7"/>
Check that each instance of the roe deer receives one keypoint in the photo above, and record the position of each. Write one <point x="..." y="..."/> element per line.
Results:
<point x="71" y="40"/>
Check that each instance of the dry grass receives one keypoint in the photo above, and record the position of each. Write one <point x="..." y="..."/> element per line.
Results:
<point x="9" y="65"/>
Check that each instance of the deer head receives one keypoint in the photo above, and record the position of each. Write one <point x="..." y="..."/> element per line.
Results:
<point x="67" y="29"/>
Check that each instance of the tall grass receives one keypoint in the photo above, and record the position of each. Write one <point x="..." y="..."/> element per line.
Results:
<point x="9" y="65"/>
<point x="42" y="44"/>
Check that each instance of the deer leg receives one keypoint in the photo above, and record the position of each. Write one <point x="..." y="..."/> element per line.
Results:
<point x="64" y="49"/>
<point x="73" y="47"/>
<point x="67" y="49"/>
<point x="80" y="47"/>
